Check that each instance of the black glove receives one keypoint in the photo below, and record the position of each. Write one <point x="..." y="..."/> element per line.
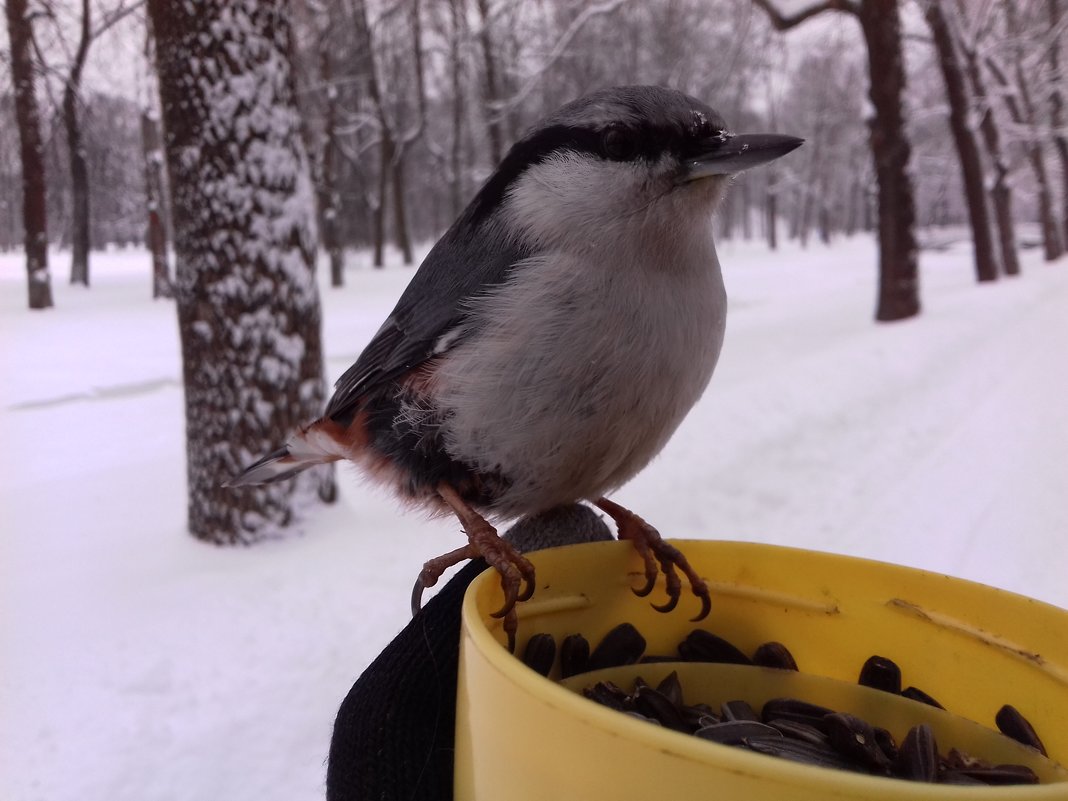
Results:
<point x="393" y="737"/>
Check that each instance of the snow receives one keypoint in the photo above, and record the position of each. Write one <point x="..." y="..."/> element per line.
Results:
<point x="142" y="665"/>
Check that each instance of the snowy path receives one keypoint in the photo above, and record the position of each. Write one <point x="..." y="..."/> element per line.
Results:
<point x="140" y="665"/>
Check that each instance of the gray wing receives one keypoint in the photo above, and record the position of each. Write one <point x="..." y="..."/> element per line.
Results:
<point x="465" y="262"/>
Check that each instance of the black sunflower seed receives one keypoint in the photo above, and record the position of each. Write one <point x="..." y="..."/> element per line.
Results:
<point x="855" y="738"/>
<point x="881" y="673"/>
<point x="774" y="655"/>
<point x="703" y="646"/>
<point x="797" y="711"/>
<point x="540" y="653"/>
<point x="738" y="710"/>
<point x="1013" y="724"/>
<point x="623" y="645"/>
<point x="574" y="656"/>
<point x="917" y="756"/>
<point x="733" y="732"/>
<point x="917" y="694"/>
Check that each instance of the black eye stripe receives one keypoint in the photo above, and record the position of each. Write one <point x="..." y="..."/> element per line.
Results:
<point x="647" y="141"/>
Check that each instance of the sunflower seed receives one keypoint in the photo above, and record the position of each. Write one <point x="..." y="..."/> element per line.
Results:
<point x="540" y="653"/>
<point x="799" y="731"/>
<point x="917" y="694"/>
<point x="623" y="645"/>
<point x="733" y="732"/>
<point x="917" y="757"/>
<point x="738" y="710"/>
<point x="608" y="694"/>
<point x="800" y="751"/>
<point x="881" y="673"/>
<point x="1003" y="774"/>
<point x="574" y="656"/>
<point x="797" y="711"/>
<point x="703" y="646"/>
<point x="855" y="739"/>
<point x="1013" y="724"/>
<point x="656" y="705"/>
<point x="774" y="655"/>
<point x="671" y="688"/>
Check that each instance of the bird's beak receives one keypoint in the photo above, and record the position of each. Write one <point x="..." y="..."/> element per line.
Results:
<point x="735" y="153"/>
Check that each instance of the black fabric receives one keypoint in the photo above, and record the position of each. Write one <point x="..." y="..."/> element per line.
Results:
<point x="393" y="738"/>
<point x="394" y="734"/>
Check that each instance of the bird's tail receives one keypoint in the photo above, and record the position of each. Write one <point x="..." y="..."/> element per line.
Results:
<point x="311" y="445"/>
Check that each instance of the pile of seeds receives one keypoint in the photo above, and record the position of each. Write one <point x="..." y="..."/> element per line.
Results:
<point x="785" y="727"/>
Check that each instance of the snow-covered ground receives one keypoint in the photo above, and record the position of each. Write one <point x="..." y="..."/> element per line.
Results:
<point x="137" y="664"/>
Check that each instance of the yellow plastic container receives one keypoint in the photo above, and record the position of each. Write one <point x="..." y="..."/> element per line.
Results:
<point x="522" y="737"/>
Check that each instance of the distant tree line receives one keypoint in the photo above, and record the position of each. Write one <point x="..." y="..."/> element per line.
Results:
<point x="408" y="104"/>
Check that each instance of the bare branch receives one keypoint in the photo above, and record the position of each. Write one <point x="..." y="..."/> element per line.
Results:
<point x="782" y="22"/>
<point x="115" y="17"/>
<point x="588" y="13"/>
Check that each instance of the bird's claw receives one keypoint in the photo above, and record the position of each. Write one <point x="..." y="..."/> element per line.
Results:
<point x="652" y="548"/>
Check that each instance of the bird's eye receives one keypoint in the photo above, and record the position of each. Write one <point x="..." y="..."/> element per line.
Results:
<point x="618" y="144"/>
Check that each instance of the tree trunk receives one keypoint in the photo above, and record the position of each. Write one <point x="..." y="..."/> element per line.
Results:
<point x="747" y="226"/>
<point x="456" y="63"/>
<point x="1001" y="192"/>
<point x="1056" y="110"/>
<point x="34" y="214"/>
<point x="400" y="211"/>
<point x="156" y="232"/>
<point x="880" y="23"/>
<point x="771" y="211"/>
<point x="385" y="162"/>
<point x="328" y="166"/>
<point x="1023" y="113"/>
<point x="491" y="86"/>
<point x="248" y="305"/>
<point x="986" y="267"/>
<point x="79" y="169"/>
<point x="899" y="296"/>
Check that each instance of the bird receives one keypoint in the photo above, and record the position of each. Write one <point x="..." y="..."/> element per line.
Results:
<point x="554" y="337"/>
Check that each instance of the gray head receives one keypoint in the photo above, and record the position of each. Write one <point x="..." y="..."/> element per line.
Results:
<point x="618" y="152"/>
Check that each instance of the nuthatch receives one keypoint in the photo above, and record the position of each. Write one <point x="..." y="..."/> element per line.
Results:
<point x="555" y="336"/>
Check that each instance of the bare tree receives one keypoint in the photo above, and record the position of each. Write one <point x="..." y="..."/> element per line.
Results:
<point x="986" y="267"/>
<point x="72" y="109"/>
<point x="325" y="160"/>
<point x="34" y="214"/>
<point x="491" y="89"/>
<point x="248" y="306"/>
<point x="155" y="184"/>
<point x="79" y="170"/>
<point x="1001" y="190"/>
<point x="395" y="139"/>
<point x="1056" y="107"/>
<point x="1016" y="95"/>
<point x="156" y="231"/>
<point x="898" y="296"/>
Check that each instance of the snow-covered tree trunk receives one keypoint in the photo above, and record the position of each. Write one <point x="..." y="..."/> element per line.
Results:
<point x="248" y="306"/>
<point x="31" y="154"/>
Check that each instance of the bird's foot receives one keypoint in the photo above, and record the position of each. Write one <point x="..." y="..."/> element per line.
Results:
<point x="517" y="573"/>
<point x="653" y="550"/>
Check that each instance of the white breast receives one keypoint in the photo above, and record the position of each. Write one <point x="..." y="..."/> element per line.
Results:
<point x="582" y="367"/>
